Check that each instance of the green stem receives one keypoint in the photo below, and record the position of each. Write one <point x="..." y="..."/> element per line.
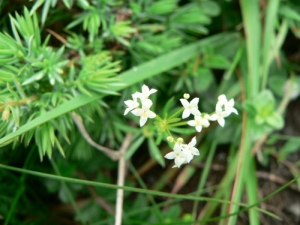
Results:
<point x="176" y="113"/>
<point x="143" y="185"/>
<point x="178" y="124"/>
<point x="20" y="190"/>
<point x="67" y="190"/>
<point x="204" y="175"/>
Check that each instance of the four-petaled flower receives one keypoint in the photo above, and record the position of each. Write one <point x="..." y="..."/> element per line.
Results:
<point x="228" y="106"/>
<point x="199" y="122"/>
<point x="131" y="104"/>
<point x="190" y="107"/>
<point x="144" y="112"/>
<point x="219" y="115"/>
<point x="177" y="154"/>
<point x="146" y="92"/>
<point x="190" y="150"/>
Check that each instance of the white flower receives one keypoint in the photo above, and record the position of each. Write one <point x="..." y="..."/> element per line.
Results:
<point x="229" y="107"/>
<point x="190" y="107"/>
<point x="199" y="122"/>
<point x="136" y="95"/>
<point x="144" y="112"/>
<point x="146" y="92"/>
<point x="222" y="100"/>
<point x="219" y="115"/>
<point x="131" y="104"/>
<point x="226" y="105"/>
<point x="177" y="154"/>
<point x="190" y="150"/>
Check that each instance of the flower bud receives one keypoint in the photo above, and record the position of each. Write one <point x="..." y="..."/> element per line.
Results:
<point x="170" y="139"/>
<point x="179" y="140"/>
<point x="186" y="96"/>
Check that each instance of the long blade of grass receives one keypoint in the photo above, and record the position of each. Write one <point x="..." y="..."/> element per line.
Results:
<point x="251" y="188"/>
<point x="252" y="25"/>
<point x="68" y="192"/>
<point x="269" y="35"/>
<point x="140" y="190"/>
<point x="204" y="174"/>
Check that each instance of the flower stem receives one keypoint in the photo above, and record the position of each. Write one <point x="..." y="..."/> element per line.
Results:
<point x="176" y="113"/>
<point x="178" y="124"/>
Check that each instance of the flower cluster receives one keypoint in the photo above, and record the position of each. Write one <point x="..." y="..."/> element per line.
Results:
<point x="141" y="98"/>
<point x="223" y="109"/>
<point x="182" y="153"/>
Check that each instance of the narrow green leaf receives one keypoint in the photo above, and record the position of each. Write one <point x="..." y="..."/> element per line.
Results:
<point x="155" y="153"/>
<point x="132" y="149"/>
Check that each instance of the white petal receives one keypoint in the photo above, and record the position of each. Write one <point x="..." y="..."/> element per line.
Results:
<point x="221" y="121"/>
<point x="194" y="102"/>
<point x="143" y="120"/>
<point x="151" y="114"/>
<point x="178" y="161"/>
<point x="128" y="102"/>
<point x="184" y="102"/>
<point x="195" y="112"/>
<point x="170" y="155"/>
<point x="192" y="123"/>
<point x="205" y="123"/>
<point x="213" y="117"/>
<point x="193" y="142"/>
<point x="234" y="111"/>
<point x="136" y="95"/>
<point x="145" y="89"/>
<point x="146" y="104"/>
<point x="198" y="128"/>
<point x="186" y="113"/>
<point x="137" y="112"/>
<point x="222" y="99"/>
<point x="195" y="151"/>
<point x="189" y="156"/>
<point x="231" y="102"/>
<point x="127" y="110"/>
<point x="152" y="91"/>
<point x="218" y="109"/>
<point x="177" y="147"/>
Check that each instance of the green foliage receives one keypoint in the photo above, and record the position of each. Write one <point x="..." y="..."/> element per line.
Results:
<point x="263" y="113"/>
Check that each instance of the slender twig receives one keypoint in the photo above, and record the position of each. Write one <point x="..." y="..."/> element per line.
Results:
<point x="121" y="178"/>
<point x="58" y="36"/>
<point x="113" y="154"/>
<point x="242" y="149"/>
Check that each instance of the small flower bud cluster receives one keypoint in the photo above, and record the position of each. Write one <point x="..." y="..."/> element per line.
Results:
<point x="143" y="112"/>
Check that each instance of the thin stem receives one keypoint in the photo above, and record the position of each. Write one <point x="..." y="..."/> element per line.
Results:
<point x="20" y="190"/>
<point x="176" y="113"/>
<point x="67" y="190"/>
<point x="113" y="154"/>
<point x="121" y="178"/>
<point x="177" y="124"/>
